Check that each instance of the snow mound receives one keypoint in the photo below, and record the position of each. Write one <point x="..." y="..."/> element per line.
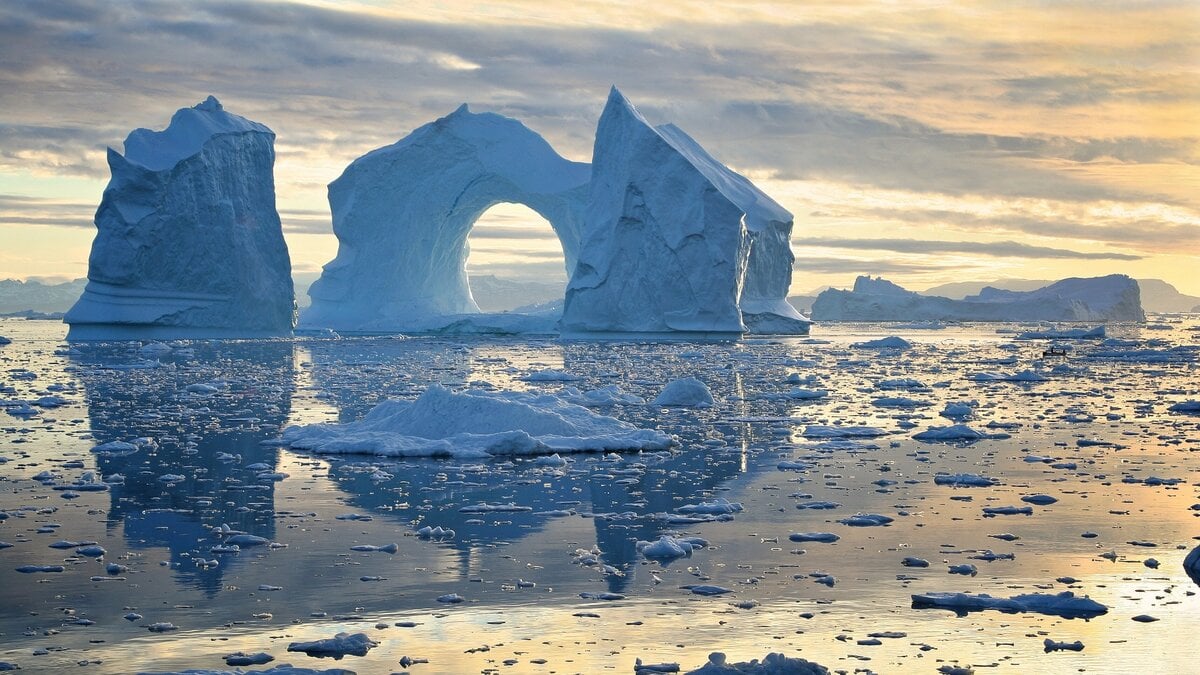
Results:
<point x="476" y="424"/>
<point x="1065" y="604"/>
<point x="1111" y="298"/>
<point x="188" y="241"/>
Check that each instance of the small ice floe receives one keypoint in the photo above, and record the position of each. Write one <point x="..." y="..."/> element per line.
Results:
<point x="717" y="507"/>
<point x="835" y="431"/>
<point x="904" y="383"/>
<point x="1022" y="376"/>
<point x="244" y="540"/>
<point x="890" y="342"/>
<point x="1008" y="510"/>
<point x="964" y="480"/>
<point x="688" y="392"/>
<point x="602" y="397"/>
<point x="706" y="589"/>
<point x="162" y="627"/>
<point x="484" y="507"/>
<point x="1055" y="646"/>
<point x="818" y="505"/>
<point x="368" y="548"/>
<point x="959" y="410"/>
<point x="40" y="569"/>
<point x="1145" y="618"/>
<point x="1096" y="333"/>
<point x="551" y="375"/>
<point x="5" y="341"/>
<point x="1191" y="564"/>
<point x="956" y="433"/>
<point x="603" y="595"/>
<point x="807" y="394"/>
<point x="474" y="424"/>
<point x="988" y="555"/>
<point x="1190" y="407"/>
<point x="451" y="599"/>
<point x="1039" y="499"/>
<point x="793" y="465"/>
<point x="964" y="569"/>
<point x="640" y="668"/>
<point x="899" y="402"/>
<point x="867" y="520"/>
<point x="670" y="548"/>
<point x="822" y="537"/>
<point x="244" y="659"/>
<point x="911" y="561"/>
<point x="1065" y="604"/>
<point x="437" y="533"/>
<point x="771" y="664"/>
<point x="336" y="647"/>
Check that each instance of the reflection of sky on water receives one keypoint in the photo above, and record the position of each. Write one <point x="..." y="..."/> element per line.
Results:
<point x="729" y="452"/>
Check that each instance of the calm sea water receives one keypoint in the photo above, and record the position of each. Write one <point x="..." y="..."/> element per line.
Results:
<point x="1100" y="423"/>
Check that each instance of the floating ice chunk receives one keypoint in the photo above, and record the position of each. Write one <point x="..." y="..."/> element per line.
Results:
<point x="891" y="342"/>
<point x="551" y="375"/>
<point x="640" y="668"/>
<point x="965" y="569"/>
<point x="1186" y="407"/>
<point x="1096" y="333"/>
<point x="476" y="424"/>
<point x="604" y="396"/>
<point x="369" y="548"/>
<point x="833" y="431"/>
<point x="606" y="596"/>
<point x="823" y="537"/>
<point x="438" y="532"/>
<point x="771" y="664"/>
<point x="716" y="507"/>
<point x="964" y="480"/>
<point x="793" y="465"/>
<point x="807" y="394"/>
<point x="706" y="589"/>
<point x="1056" y="646"/>
<point x="959" y="409"/>
<point x="484" y="507"/>
<point x="1007" y="510"/>
<point x="867" y="520"/>
<point x="687" y="393"/>
<point x="244" y="659"/>
<point x="899" y="402"/>
<point x="1039" y="499"/>
<point x="246" y="540"/>
<point x="1065" y="604"/>
<point x="956" y="432"/>
<point x="1191" y="564"/>
<point x="670" y="548"/>
<point x="911" y="561"/>
<point x="336" y="647"/>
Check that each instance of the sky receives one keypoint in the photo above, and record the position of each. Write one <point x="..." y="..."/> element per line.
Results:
<point x="926" y="142"/>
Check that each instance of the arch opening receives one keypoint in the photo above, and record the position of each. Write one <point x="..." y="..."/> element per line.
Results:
<point x="515" y="260"/>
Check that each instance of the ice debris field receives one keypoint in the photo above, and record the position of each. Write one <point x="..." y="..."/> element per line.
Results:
<point x="880" y="498"/>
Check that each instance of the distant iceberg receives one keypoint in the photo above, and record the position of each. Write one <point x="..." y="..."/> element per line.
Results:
<point x="188" y="240"/>
<point x="1111" y="298"/>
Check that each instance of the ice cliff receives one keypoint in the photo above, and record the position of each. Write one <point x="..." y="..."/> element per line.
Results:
<point x="188" y="240"/>
<point x="402" y="214"/>
<point x="1111" y="298"/>
<point x="670" y="237"/>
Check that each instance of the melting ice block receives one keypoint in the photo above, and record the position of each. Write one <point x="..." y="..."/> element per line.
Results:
<point x="188" y="240"/>
<point x="673" y="241"/>
<point x="402" y="214"/>
<point x="443" y="423"/>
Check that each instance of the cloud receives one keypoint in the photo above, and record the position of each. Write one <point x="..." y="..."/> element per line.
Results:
<point x="855" y="266"/>
<point x="1003" y="249"/>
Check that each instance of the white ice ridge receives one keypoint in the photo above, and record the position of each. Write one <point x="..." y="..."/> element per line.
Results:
<point x="402" y="214"/>
<point x="476" y="424"/>
<point x="188" y="241"/>
<point x="1115" y="297"/>
<point x="668" y="237"/>
<point x="657" y="236"/>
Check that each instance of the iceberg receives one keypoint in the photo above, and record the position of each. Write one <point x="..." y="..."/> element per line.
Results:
<point x="402" y="214"/>
<point x="670" y="237"/>
<point x="188" y="241"/>
<point x="474" y="424"/>
<point x="1111" y="298"/>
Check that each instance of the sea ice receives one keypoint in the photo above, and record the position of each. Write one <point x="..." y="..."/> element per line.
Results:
<point x="476" y="424"/>
<point x="1065" y="604"/>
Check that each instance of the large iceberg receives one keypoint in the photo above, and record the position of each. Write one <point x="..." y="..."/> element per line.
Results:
<point x="673" y="241"/>
<point x="1111" y="298"/>
<point x="402" y="214"/>
<point x="657" y="236"/>
<point x="188" y="241"/>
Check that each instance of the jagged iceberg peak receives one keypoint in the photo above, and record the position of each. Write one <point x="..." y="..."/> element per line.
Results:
<point x="189" y="130"/>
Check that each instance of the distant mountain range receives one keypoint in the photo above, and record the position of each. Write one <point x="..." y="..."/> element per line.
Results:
<point x="25" y="296"/>
<point x="1157" y="295"/>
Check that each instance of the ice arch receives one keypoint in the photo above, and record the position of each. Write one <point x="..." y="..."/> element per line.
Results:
<point x="402" y="214"/>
